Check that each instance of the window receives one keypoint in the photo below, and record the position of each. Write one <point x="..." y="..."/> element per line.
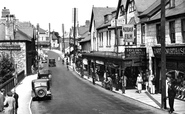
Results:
<point x="158" y="33"/>
<point x="120" y="33"/>
<point x="109" y="38"/>
<point x="172" y="31"/>
<point x="183" y="29"/>
<point x="122" y="10"/>
<point x="101" y="39"/>
<point x="172" y="3"/>
<point x="131" y="6"/>
<point x="142" y="34"/>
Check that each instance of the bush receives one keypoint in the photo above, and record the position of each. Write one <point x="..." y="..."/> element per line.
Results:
<point x="6" y="67"/>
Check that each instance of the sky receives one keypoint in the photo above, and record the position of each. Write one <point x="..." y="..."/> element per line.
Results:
<point x="55" y="12"/>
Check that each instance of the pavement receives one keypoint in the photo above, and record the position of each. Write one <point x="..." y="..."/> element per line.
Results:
<point x="145" y="97"/>
<point x="23" y="89"/>
<point x="24" y="92"/>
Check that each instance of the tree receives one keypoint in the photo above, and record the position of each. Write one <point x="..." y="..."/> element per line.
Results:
<point x="6" y="65"/>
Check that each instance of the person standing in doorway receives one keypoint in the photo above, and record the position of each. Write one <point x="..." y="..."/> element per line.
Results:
<point x="139" y="83"/>
<point x="123" y="83"/>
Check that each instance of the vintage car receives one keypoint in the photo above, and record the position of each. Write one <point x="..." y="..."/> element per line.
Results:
<point x="45" y="74"/>
<point x="41" y="89"/>
<point x="52" y="62"/>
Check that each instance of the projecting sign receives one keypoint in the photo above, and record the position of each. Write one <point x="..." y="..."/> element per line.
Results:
<point x="128" y="33"/>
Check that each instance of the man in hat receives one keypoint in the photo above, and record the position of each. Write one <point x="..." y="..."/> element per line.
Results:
<point x="16" y="97"/>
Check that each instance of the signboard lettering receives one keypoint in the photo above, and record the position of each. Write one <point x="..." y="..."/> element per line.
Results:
<point x="135" y="52"/>
<point x="170" y="50"/>
<point x="128" y="33"/>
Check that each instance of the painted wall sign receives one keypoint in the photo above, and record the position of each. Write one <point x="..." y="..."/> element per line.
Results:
<point x="10" y="47"/>
<point x="170" y="51"/>
<point x="135" y="52"/>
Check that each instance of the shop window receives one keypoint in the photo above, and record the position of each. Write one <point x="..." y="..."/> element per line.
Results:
<point x="183" y="30"/>
<point x="172" y="31"/>
<point x="158" y="33"/>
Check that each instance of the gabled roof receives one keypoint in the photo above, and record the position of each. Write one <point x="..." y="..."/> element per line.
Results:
<point x="155" y="7"/>
<point x="141" y="5"/>
<point x="86" y="39"/>
<point x="20" y="35"/>
<point x="120" y="3"/>
<point x="54" y="37"/>
<point x="26" y="27"/>
<point x="98" y="15"/>
<point x="42" y="31"/>
<point x="180" y="9"/>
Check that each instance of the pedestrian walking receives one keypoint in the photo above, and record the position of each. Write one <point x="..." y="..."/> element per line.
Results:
<point x="117" y="81"/>
<point x="10" y="103"/>
<point x="139" y="83"/>
<point x="2" y="98"/>
<point x="171" y="93"/>
<point x="123" y="83"/>
<point x="151" y="84"/>
<point x="16" y="97"/>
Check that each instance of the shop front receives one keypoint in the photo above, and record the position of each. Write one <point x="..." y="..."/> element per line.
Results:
<point x="175" y="67"/>
<point x="130" y="63"/>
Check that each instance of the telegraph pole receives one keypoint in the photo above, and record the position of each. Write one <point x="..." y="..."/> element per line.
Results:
<point x="63" y="46"/>
<point x="49" y="36"/>
<point x="38" y="46"/>
<point x="163" y="56"/>
<point x="74" y="35"/>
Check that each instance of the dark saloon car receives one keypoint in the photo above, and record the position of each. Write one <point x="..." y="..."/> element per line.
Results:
<point x="41" y="89"/>
<point x="45" y="74"/>
<point x="52" y="62"/>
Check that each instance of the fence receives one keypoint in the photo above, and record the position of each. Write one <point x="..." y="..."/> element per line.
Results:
<point x="9" y="84"/>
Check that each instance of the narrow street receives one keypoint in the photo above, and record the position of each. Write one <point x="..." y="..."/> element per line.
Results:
<point x="73" y="95"/>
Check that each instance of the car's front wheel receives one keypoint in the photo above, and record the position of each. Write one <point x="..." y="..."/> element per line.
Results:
<point x="41" y="93"/>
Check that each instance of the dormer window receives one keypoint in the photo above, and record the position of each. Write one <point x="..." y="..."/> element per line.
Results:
<point x="121" y="10"/>
<point x="106" y="19"/>
<point x="131" y="6"/>
<point x="172" y="3"/>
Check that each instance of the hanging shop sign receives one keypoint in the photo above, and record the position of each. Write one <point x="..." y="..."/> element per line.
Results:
<point x="128" y="33"/>
<point x="170" y="51"/>
<point x="139" y="53"/>
<point x="120" y="22"/>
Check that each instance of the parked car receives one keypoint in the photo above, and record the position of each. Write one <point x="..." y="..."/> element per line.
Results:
<point x="52" y="62"/>
<point x="45" y="74"/>
<point x="41" y="89"/>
